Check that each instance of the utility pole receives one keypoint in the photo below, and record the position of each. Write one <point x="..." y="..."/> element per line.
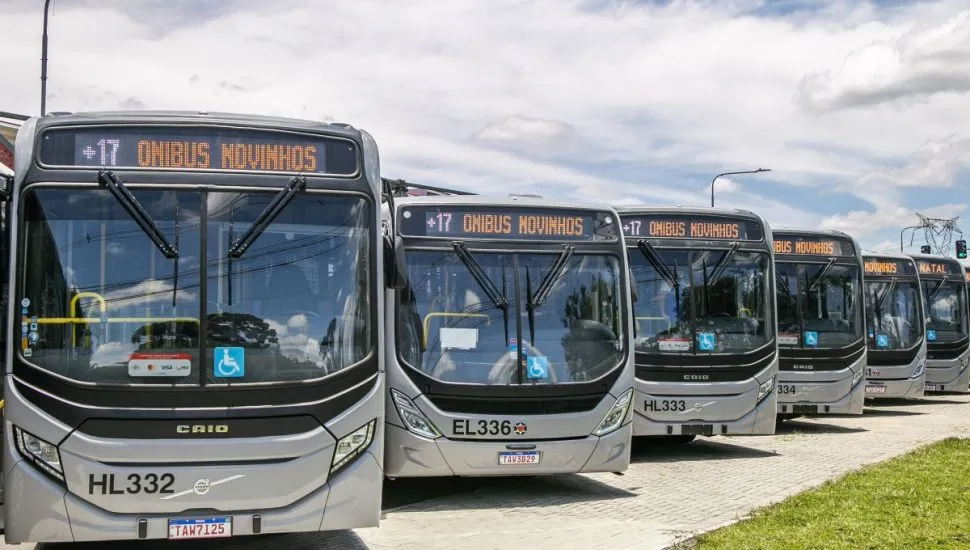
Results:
<point x="43" y="63"/>
<point x="759" y="170"/>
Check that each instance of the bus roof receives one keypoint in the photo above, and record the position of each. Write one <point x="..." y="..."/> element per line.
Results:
<point x="954" y="267"/>
<point x="484" y="200"/>
<point x="192" y="117"/>
<point x="812" y="232"/>
<point x="885" y="255"/>
<point x="689" y="210"/>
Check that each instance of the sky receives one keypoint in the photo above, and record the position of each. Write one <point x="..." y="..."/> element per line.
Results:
<point x="860" y="109"/>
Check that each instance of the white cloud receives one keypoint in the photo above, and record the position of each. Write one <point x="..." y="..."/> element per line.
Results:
<point x="620" y="102"/>
<point x="926" y="60"/>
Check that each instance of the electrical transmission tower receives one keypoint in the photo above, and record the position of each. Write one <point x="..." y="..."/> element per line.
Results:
<point x="937" y="233"/>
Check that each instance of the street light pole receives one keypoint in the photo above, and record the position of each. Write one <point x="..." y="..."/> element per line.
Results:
<point x="43" y="63"/>
<point x="758" y="171"/>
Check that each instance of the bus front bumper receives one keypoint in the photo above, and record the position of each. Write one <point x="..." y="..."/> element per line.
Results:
<point x="410" y="455"/>
<point x="37" y="509"/>
<point x="911" y="388"/>
<point x="823" y="397"/>
<point x="947" y="376"/>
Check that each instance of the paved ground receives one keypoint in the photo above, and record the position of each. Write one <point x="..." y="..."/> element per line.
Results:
<point x="668" y="494"/>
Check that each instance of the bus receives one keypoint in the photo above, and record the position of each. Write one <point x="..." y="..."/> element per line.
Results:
<point x="509" y="346"/>
<point x="896" y="361"/>
<point x="134" y="234"/>
<point x="706" y="348"/>
<point x="821" y="320"/>
<point x="943" y="282"/>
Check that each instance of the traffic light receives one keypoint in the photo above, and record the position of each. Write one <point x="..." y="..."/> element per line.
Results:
<point x="962" y="249"/>
<point x="925" y="249"/>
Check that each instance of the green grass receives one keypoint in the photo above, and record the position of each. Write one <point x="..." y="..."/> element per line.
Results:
<point x="918" y="500"/>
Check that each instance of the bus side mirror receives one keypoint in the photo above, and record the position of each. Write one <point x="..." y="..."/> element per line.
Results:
<point x="395" y="268"/>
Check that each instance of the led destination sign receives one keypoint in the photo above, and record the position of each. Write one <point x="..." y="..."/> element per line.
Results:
<point x="193" y="148"/>
<point x="889" y="267"/>
<point x="691" y="227"/>
<point x="929" y="267"/>
<point x="505" y="223"/>
<point x="813" y="246"/>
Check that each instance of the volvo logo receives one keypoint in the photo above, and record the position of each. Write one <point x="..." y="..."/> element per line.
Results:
<point x="201" y="487"/>
<point x="202" y="428"/>
<point x="697" y="377"/>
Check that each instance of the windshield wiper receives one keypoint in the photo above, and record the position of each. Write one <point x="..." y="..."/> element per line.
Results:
<point x="137" y="212"/>
<point x="783" y="282"/>
<point x="821" y="274"/>
<point x="939" y="287"/>
<point x="266" y="217"/>
<point x="475" y="268"/>
<point x="721" y="264"/>
<point x="650" y="253"/>
<point x="554" y="274"/>
<point x="888" y="292"/>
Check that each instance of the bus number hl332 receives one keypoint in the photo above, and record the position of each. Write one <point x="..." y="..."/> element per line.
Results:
<point x="134" y="484"/>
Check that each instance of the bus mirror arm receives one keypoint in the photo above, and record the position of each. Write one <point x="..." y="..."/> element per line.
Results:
<point x="395" y="267"/>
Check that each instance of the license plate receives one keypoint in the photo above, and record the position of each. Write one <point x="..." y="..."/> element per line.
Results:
<point x="518" y="458"/>
<point x="804" y="409"/>
<point x="200" y="528"/>
<point x="875" y="389"/>
<point x="930" y="387"/>
<point x="697" y="429"/>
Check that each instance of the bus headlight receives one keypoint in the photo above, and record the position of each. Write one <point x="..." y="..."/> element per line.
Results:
<point x="413" y="418"/>
<point x="765" y="388"/>
<point x="856" y="376"/>
<point x="920" y="367"/>
<point x="616" y="415"/>
<point x="352" y="445"/>
<point x="43" y="454"/>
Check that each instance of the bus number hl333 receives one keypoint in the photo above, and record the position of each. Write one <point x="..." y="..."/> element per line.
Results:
<point x="663" y="405"/>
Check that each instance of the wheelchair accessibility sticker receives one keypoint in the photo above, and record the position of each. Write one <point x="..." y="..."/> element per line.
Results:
<point x="931" y="335"/>
<point x="882" y="340"/>
<point x="537" y="367"/>
<point x="705" y="341"/>
<point x="229" y="362"/>
<point x="811" y="338"/>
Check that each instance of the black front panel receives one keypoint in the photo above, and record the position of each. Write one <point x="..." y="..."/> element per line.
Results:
<point x="73" y="404"/>
<point x="514" y="399"/>
<point x="877" y="358"/>
<point x="947" y="351"/>
<point x="702" y="368"/>
<point x="810" y="360"/>
<point x="198" y="429"/>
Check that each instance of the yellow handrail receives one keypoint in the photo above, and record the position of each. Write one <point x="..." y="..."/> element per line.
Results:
<point x="80" y="295"/>
<point x="428" y="317"/>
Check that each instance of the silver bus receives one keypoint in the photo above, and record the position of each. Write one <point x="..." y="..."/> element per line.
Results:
<point x="132" y="236"/>
<point x="947" y="336"/>
<point x="704" y="315"/>
<point x="509" y="347"/>
<point x="821" y="321"/>
<point x="895" y="331"/>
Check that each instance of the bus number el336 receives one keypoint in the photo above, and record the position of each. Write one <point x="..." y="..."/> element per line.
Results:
<point x="464" y="426"/>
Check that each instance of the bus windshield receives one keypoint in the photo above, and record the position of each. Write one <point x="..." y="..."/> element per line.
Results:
<point x="893" y="315"/>
<point x="102" y="304"/>
<point x="944" y="303"/>
<point x="450" y="328"/>
<point x="818" y="305"/>
<point x="701" y="301"/>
